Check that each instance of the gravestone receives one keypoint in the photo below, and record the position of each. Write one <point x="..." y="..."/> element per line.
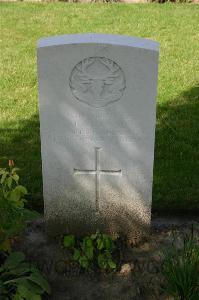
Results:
<point x="97" y="120"/>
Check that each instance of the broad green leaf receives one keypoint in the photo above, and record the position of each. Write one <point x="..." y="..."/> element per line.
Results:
<point x="21" y="269"/>
<point x="87" y="247"/>
<point x="40" y="280"/>
<point x="32" y="286"/>
<point x="111" y="264"/>
<point x="107" y="241"/>
<point x="9" y="181"/>
<point x="101" y="261"/>
<point x="69" y="241"/>
<point x="100" y="244"/>
<point x="93" y="236"/>
<point x="22" y="189"/>
<point x="15" y="177"/>
<point x="89" y="253"/>
<point x="24" y="292"/>
<point x="76" y="254"/>
<point x="84" y="263"/>
<point x="14" y="195"/>
<point x="14" y="170"/>
<point x="30" y="214"/>
<point x="2" y="171"/>
<point x="20" y="203"/>
<point x="14" y="259"/>
<point x="4" y="177"/>
<point x="88" y="242"/>
<point x="17" y="296"/>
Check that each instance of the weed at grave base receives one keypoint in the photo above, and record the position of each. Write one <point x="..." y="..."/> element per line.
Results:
<point x="13" y="214"/>
<point x="181" y="268"/>
<point x="94" y="251"/>
<point x="18" y="279"/>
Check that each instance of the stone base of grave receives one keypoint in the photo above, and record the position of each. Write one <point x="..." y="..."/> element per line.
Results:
<point x="132" y="228"/>
<point x="134" y="237"/>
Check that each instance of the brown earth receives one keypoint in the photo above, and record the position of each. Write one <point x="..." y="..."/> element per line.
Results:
<point x="138" y="275"/>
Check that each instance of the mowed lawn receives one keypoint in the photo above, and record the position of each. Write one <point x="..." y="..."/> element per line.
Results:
<point x="176" y="27"/>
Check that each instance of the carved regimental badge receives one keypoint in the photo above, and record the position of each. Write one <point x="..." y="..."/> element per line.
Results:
<point x="97" y="81"/>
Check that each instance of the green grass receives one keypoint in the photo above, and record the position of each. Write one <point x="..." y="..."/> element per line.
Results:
<point x="180" y="267"/>
<point x="176" y="170"/>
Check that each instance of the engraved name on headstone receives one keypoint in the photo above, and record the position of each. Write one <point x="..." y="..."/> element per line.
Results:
<point x="97" y="119"/>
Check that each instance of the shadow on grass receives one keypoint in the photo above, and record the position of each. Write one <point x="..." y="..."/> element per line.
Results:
<point x="176" y="167"/>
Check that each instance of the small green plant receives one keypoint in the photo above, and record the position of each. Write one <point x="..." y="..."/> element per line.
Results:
<point x="12" y="212"/>
<point x="94" y="250"/>
<point x="21" y="281"/>
<point x="12" y="191"/>
<point x="181" y="269"/>
<point x="18" y="279"/>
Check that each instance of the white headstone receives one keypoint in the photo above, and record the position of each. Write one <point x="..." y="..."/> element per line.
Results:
<point x="97" y="112"/>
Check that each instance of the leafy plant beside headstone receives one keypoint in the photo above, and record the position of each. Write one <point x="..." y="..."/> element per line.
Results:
<point x="13" y="214"/>
<point x="181" y="268"/>
<point x="94" y="250"/>
<point x="19" y="280"/>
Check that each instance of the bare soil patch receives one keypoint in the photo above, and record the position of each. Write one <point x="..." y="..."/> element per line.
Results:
<point x="137" y="277"/>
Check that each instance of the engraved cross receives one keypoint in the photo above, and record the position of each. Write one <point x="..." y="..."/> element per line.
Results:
<point x="97" y="172"/>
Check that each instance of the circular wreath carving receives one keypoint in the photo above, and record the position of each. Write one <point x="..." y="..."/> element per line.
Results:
<point x="97" y="81"/>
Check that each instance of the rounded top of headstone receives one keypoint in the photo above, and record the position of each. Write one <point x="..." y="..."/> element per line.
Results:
<point x="97" y="38"/>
